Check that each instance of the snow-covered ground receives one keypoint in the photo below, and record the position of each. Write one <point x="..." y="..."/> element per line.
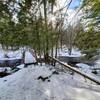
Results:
<point x="17" y="55"/>
<point x="88" y="70"/>
<point x="97" y="65"/>
<point x="75" y="52"/>
<point x="41" y="83"/>
<point x="83" y="67"/>
<point x="98" y="61"/>
<point x="11" y="55"/>
<point x="26" y="85"/>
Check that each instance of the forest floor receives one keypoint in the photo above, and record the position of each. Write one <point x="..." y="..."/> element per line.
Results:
<point x="45" y="83"/>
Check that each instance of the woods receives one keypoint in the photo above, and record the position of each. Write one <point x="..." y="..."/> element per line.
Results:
<point x="49" y="49"/>
<point x="27" y="23"/>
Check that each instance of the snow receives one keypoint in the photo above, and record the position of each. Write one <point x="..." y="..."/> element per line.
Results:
<point x="84" y="67"/>
<point x="24" y="85"/>
<point x="17" y="55"/>
<point x="20" y="66"/>
<point x="75" y="52"/>
<point x="7" y="69"/>
<point x="88" y="70"/>
<point x="11" y="54"/>
<point x="98" y="61"/>
<point x="97" y="64"/>
<point x="29" y="57"/>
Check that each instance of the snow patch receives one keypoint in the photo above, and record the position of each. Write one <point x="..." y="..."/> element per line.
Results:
<point x="75" y="53"/>
<point x="23" y="85"/>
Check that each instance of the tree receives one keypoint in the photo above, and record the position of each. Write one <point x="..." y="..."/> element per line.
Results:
<point x="31" y="27"/>
<point x="92" y="11"/>
<point x="88" y="42"/>
<point x="88" y="39"/>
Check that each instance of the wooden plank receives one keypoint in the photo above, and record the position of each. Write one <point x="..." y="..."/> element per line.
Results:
<point x="77" y="71"/>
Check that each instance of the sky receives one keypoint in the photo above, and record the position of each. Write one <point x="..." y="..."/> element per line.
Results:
<point x="75" y="4"/>
<point x="71" y="11"/>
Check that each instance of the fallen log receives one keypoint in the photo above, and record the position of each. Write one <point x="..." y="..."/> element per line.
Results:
<point x="91" y="78"/>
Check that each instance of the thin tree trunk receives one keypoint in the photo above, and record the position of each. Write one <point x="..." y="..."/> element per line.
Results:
<point x="47" y="43"/>
<point x="23" y="56"/>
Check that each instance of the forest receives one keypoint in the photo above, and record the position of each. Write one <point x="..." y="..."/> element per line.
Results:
<point x="36" y="24"/>
<point x="59" y="34"/>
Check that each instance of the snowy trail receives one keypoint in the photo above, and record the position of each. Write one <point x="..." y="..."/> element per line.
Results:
<point x="23" y="85"/>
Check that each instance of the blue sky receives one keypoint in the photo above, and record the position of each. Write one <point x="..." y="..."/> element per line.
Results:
<point x="74" y="4"/>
